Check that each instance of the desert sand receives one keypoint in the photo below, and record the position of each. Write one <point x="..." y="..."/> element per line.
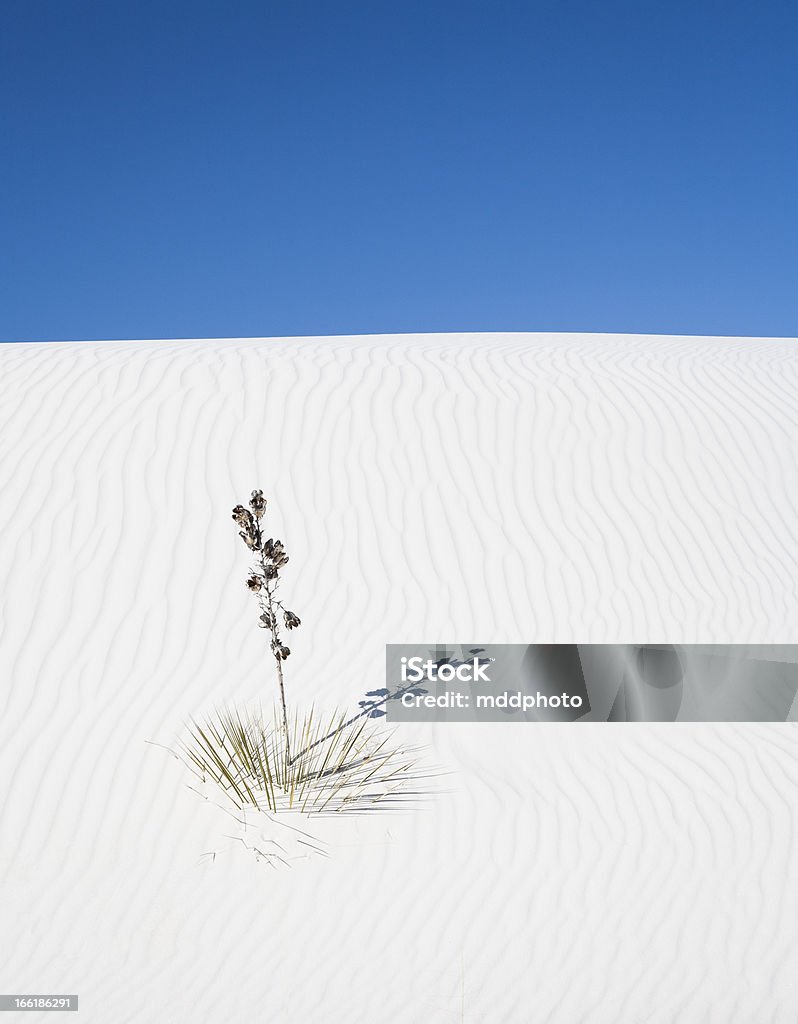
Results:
<point x="443" y="488"/>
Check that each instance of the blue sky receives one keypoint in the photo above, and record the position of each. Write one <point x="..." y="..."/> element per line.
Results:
<point x="205" y="169"/>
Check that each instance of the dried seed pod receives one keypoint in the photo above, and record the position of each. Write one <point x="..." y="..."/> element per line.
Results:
<point x="279" y="650"/>
<point x="243" y="517"/>
<point x="257" y="503"/>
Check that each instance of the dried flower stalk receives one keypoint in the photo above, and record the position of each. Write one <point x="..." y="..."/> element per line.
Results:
<point x="263" y="581"/>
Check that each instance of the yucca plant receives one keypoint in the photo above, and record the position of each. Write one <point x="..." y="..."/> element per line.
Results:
<point x="340" y="765"/>
<point x="292" y="760"/>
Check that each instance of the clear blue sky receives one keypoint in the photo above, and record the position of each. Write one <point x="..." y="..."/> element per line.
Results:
<point x="194" y="169"/>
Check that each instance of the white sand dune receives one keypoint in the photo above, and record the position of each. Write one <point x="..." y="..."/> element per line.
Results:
<point x="428" y="488"/>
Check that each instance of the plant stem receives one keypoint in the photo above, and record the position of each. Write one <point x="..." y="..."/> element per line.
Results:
<point x="268" y="586"/>
<point x="275" y="638"/>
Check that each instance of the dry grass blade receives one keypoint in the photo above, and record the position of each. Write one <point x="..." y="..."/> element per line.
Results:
<point x="349" y="766"/>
